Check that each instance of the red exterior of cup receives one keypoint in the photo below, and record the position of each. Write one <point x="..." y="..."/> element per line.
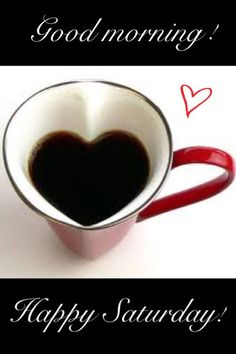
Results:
<point x="91" y="244"/>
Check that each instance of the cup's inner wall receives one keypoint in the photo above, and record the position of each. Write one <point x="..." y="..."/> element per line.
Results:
<point x="88" y="109"/>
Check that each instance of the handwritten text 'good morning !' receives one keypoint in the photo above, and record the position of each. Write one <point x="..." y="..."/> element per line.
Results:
<point x="182" y="39"/>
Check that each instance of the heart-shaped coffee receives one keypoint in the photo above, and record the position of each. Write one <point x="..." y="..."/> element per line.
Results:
<point x="89" y="181"/>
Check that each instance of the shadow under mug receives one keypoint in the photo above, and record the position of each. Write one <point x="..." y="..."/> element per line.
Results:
<point x="91" y="108"/>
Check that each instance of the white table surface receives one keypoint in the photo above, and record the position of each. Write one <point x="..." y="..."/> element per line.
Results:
<point x="195" y="241"/>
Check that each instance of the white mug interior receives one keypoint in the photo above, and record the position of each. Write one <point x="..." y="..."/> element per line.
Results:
<point x="88" y="108"/>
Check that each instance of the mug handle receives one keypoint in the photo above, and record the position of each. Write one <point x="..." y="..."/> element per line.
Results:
<point x="198" y="154"/>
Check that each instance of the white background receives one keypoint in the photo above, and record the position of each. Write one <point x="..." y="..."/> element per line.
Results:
<point x="195" y="241"/>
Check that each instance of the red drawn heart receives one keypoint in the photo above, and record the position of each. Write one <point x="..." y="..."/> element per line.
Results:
<point x="183" y="89"/>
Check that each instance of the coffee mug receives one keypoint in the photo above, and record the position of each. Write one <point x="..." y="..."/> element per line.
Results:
<point x="90" y="108"/>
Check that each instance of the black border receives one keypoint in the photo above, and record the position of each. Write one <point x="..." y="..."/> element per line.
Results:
<point x="17" y="22"/>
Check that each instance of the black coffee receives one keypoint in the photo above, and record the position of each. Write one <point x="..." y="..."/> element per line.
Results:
<point x="89" y="182"/>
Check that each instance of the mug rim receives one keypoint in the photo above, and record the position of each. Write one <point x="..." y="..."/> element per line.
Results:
<point x="124" y="218"/>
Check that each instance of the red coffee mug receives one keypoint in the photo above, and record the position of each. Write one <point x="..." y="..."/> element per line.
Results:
<point x="91" y="108"/>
